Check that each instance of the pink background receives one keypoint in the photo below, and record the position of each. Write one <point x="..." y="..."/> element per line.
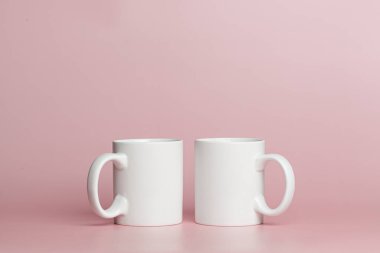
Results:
<point x="304" y="75"/>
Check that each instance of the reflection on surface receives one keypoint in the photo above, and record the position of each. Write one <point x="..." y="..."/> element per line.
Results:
<point x="219" y="239"/>
<point x="185" y="236"/>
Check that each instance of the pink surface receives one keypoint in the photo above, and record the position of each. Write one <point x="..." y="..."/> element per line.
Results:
<point x="74" y="75"/>
<point x="85" y="233"/>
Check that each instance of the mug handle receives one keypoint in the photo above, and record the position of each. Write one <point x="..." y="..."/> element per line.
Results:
<point x="260" y="204"/>
<point x="120" y="203"/>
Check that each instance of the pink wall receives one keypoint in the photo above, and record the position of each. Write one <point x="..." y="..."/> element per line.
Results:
<point x="304" y="75"/>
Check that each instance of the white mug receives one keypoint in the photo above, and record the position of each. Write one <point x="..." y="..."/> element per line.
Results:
<point x="229" y="182"/>
<point x="148" y="182"/>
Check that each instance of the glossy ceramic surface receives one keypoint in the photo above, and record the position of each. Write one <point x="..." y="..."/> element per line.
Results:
<point x="148" y="182"/>
<point x="229" y="181"/>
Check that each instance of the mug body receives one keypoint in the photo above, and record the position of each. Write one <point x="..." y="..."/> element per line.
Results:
<point x="152" y="182"/>
<point x="227" y="181"/>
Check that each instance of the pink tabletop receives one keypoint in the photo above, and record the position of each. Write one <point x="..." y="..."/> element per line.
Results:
<point x="336" y="232"/>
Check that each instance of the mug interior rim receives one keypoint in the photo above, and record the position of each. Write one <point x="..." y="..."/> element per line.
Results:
<point x="146" y="140"/>
<point x="231" y="140"/>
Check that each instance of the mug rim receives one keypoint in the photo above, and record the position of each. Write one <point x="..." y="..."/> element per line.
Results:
<point x="230" y="140"/>
<point x="147" y="140"/>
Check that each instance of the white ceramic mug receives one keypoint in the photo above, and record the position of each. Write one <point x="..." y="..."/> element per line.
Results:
<point x="229" y="182"/>
<point x="148" y="182"/>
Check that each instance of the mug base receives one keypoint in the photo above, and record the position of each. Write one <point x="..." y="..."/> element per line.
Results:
<point x="228" y="224"/>
<point x="149" y="225"/>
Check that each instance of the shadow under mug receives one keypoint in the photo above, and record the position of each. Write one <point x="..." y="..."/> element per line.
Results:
<point x="147" y="182"/>
<point x="229" y="181"/>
